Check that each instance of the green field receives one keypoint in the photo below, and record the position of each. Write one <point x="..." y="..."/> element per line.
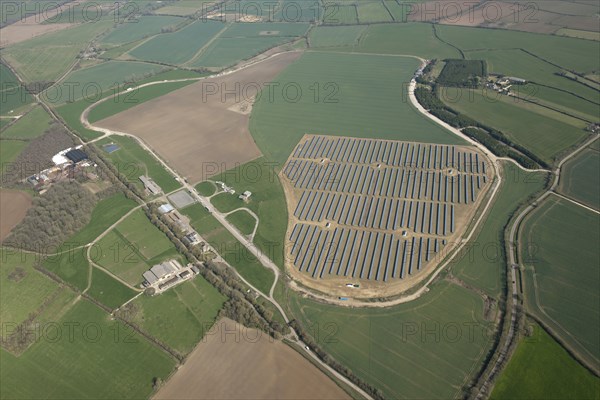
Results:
<point x="267" y="201"/>
<point x="340" y="14"/>
<point x="108" y="290"/>
<point x="133" y="161"/>
<point x="425" y="349"/>
<point x="243" y="221"/>
<point x="105" y="214"/>
<point x="559" y="247"/>
<point x="206" y="188"/>
<point x="184" y="7"/>
<point x="90" y="83"/>
<point x="72" y="266"/>
<point x="179" y="317"/>
<point x="579" y="178"/>
<point x="398" y="11"/>
<point x="47" y="57"/>
<point x="9" y="150"/>
<point x="132" y="247"/>
<point x="100" y="351"/>
<point x="224" y="52"/>
<point x="336" y="36"/>
<point x="546" y="135"/>
<point x="12" y="94"/>
<point x="30" y="126"/>
<point x="462" y="73"/>
<point x="359" y="95"/>
<point x="264" y="29"/>
<point x="178" y="47"/>
<point x="130" y="31"/>
<point x="229" y="248"/>
<point x="483" y="264"/>
<point x="372" y="11"/>
<point x="541" y="369"/>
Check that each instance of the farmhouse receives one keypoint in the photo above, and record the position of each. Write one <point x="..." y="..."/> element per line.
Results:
<point x="167" y="274"/>
<point x="150" y="185"/>
<point x="245" y="196"/>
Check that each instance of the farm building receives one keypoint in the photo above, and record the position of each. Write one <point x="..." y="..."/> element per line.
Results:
<point x="246" y="195"/>
<point x="76" y="155"/>
<point x="165" y="208"/>
<point x="150" y="185"/>
<point x="167" y="274"/>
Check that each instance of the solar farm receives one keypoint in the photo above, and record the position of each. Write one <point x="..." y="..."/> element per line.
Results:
<point x="377" y="211"/>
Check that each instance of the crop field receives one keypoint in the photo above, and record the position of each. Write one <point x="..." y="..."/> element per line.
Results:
<point x="225" y="52"/>
<point x="178" y="47"/>
<point x="483" y="262"/>
<point x="9" y="150"/>
<point x="229" y="248"/>
<point x="133" y="161"/>
<point x="423" y="349"/>
<point x="179" y="317"/>
<point x="359" y="96"/>
<point x="245" y="30"/>
<point x="108" y="290"/>
<point x="47" y="57"/>
<point x="377" y="211"/>
<point x="140" y="28"/>
<point x="13" y="207"/>
<point x="147" y="239"/>
<point x="517" y="122"/>
<point x="576" y="33"/>
<point x="336" y="36"/>
<point x="423" y="43"/>
<point x="369" y="12"/>
<point x="105" y="214"/>
<point x="579" y="178"/>
<point x="341" y="14"/>
<point x="184" y="7"/>
<point x="89" y="83"/>
<point x="295" y="11"/>
<point x="397" y="10"/>
<point x="212" y="370"/>
<point x="101" y="351"/>
<point x="541" y="369"/>
<point x="30" y="126"/>
<point x="224" y="140"/>
<point x="267" y="201"/>
<point x="12" y="94"/>
<point x="559" y="245"/>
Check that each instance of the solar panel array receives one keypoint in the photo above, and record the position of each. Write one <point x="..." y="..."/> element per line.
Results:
<point x="377" y="209"/>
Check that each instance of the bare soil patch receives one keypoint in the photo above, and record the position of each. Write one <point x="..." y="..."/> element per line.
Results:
<point x="198" y="129"/>
<point x="13" y="207"/>
<point x="234" y="362"/>
<point x="30" y="27"/>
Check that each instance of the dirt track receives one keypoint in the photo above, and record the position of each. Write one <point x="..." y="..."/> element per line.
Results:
<point x="13" y="207"/>
<point x="247" y="364"/>
<point x="196" y="129"/>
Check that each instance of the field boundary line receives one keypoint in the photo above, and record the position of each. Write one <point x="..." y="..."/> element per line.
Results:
<point x="576" y="202"/>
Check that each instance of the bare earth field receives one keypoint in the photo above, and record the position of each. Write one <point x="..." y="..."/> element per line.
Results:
<point x="200" y="129"/>
<point x="30" y="27"/>
<point x="13" y="207"/>
<point x="235" y="362"/>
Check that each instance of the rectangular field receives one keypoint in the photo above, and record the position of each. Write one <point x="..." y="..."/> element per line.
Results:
<point x="130" y="31"/>
<point x="579" y="178"/>
<point x="30" y="126"/>
<point x="225" y="52"/>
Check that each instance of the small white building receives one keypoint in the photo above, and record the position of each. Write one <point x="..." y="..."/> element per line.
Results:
<point x="165" y="208"/>
<point x="245" y="196"/>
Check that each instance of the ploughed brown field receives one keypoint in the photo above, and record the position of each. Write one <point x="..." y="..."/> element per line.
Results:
<point x="202" y="129"/>
<point x="235" y="362"/>
<point x="13" y="207"/>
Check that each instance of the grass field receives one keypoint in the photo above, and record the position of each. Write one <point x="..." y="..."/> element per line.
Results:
<point x="184" y="7"/>
<point x="30" y="126"/>
<point x="243" y="221"/>
<point x="359" y="96"/>
<point x="559" y="246"/>
<point x="181" y="316"/>
<point x="576" y="33"/>
<point x="178" y="47"/>
<point x="483" y="264"/>
<point x="132" y="247"/>
<point x="340" y="14"/>
<point x="541" y="369"/>
<point x="336" y="36"/>
<point x="47" y="57"/>
<point x="545" y="136"/>
<point x="206" y="188"/>
<point x="422" y="349"/>
<point x="229" y="248"/>
<point x="224" y="52"/>
<point x="105" y="214"/>
<point x="9" y="150"/>
<point x="264" y="29"/>
<point x="90" y="83"/>
<point x="133" y="161"/>
<point x="101" y="351"/>
<point x="12" y="94"/>
<point x="130" y="31"/>
<point x="108" y="290"/>
<point x="267" y="201"/>
<point x="579" y="178"/>
<point x="72" y="267"/>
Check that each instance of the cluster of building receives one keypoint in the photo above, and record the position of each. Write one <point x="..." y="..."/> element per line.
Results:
<point x="225" y="188"/>
<point x="191" y="237"/>
<point x="503" y="84"/>
<point x="150" y="186"/>
<point x="168" y="274"/>
<point x="68" y="164"/>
